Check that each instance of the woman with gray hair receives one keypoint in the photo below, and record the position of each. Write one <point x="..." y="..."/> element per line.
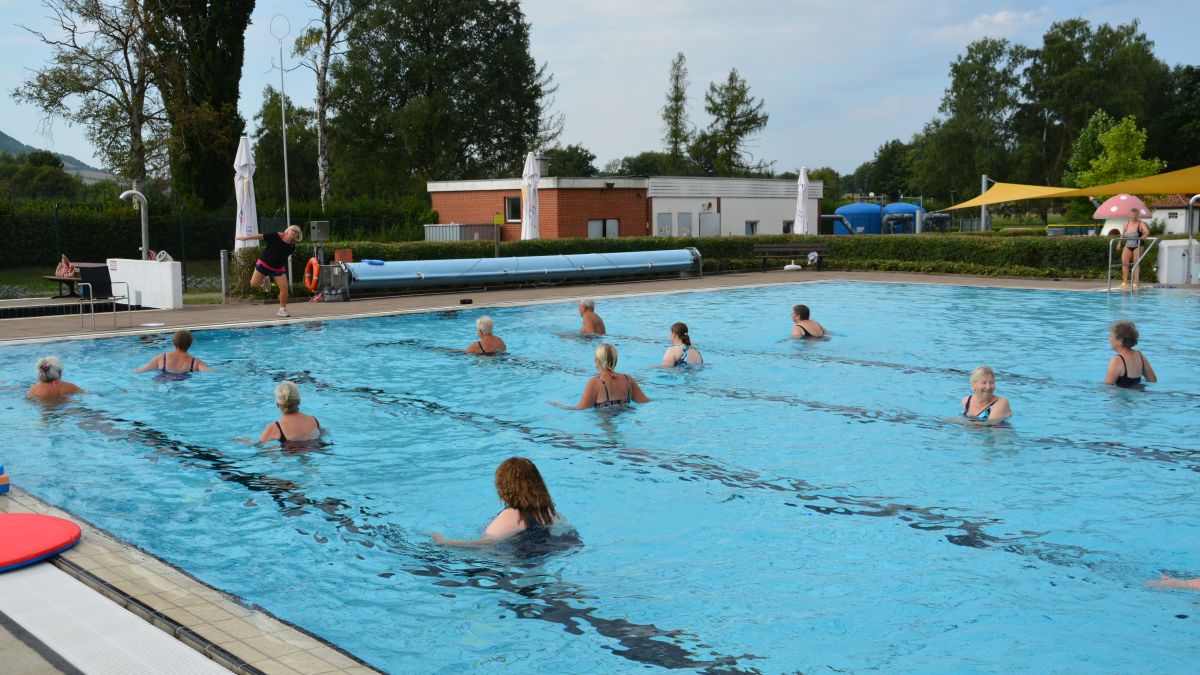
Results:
<point x="50" y="384"/>
<point x="293" y="425"/>
<point x="487" y="344"/>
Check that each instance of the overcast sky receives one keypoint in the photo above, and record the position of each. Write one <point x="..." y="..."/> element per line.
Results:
<point x="839" y="77"/>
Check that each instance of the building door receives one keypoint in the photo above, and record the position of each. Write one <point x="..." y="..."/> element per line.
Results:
<point x="595" y="229"/>
<point x="612" y="228"/>
<point x="664" y="225"/>
<point x="710" y="224"/>
<point x="684" y="228"/>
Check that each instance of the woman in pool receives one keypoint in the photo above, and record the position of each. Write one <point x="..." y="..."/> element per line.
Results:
<point x="804" y="326"/>
<point x="609" y="388"/>
<point x="1128" y="366"/>
<point x="293" y="425"/>
<point x="982" y="404"/>
<point x="272" y="262"/>
<point x="681" y="353"/>
<point x="178" y="361"/>
<point x="1135" y="232"/>
<point x="528" y="508"/>
<point x="487" y="344"/>
<point x="50" y="385"/>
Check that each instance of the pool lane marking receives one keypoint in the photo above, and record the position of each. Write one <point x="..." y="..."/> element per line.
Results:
<point x="292" y="501"/>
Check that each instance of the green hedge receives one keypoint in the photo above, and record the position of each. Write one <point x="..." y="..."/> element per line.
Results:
<point x="1036" y="256"/>
<point x="37" y="239"/>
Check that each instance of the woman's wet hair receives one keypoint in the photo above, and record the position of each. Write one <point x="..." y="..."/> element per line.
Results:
<point x="680" y="330"/>
<point x="182" y="340"/>
<point x="49" y="369"/>
<point x="484" y="325"/>
<point x="287" y="397"/>
<point x="298" y="234"/>
<point x="801" y="312"/>
<point x="980" y="373"/>
<point x="606" y="356"/>
<point x="1125" y="332"/>
<point x="520" y="486"/>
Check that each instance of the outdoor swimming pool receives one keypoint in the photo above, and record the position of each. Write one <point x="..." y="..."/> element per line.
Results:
<point x="792" y="506"/>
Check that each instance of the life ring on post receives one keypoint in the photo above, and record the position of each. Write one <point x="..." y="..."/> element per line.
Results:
<point x="312" y="274"/>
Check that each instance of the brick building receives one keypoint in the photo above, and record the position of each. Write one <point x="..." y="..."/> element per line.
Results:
<point x="629" y="206"/>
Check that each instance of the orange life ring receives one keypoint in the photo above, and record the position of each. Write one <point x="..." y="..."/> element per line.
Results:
<point x="312" y="274"/>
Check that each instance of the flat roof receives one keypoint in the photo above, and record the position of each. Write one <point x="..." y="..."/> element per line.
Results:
<point x="656" y="186"/>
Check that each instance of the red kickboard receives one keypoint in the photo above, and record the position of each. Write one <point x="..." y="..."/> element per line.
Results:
<point x="26" y="538"/>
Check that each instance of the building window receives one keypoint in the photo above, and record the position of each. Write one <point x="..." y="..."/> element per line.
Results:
<point x="1171" y="215"/>
<point x="751" y="227"/>
<point x="787" y="226"/>
<point x="604" y="229"/>
<point x="512" y="209"/>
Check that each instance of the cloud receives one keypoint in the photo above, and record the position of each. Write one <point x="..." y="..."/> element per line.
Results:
<point x="1002" y="24"/>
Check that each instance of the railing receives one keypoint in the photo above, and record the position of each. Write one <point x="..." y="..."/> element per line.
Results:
<point x="1136" y="264"/>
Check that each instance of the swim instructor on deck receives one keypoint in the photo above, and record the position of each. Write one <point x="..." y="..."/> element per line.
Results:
<point x="272" y="262"/>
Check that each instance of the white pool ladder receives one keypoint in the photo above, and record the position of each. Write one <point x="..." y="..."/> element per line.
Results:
<point x="1136" y="263"/>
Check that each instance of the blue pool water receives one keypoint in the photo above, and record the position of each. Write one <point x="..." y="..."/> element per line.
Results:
<point x="793" y="506"/>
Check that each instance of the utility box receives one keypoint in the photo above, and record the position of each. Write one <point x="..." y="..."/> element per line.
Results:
<point x="318" y="230"/>
<point x="1173" y="261"/>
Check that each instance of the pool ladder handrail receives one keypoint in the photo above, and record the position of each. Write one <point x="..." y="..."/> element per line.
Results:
<point x="1136" y="263"/>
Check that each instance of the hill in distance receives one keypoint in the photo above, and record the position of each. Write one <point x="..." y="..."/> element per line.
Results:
<point x="89" y="174"/>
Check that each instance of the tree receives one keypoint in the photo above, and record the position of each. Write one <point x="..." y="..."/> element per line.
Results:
<point x="677" y="131"/>
<point x="829" y="176"/>
<point x="437" y="90"/>
<point x="200" y="47"/>
<point x="1086" y="148"/>
<point x="99" y="77"/>
<point x="550" y="123"/>
<point x="890" y="169"/>
<point x="1174" y="132"/>
<point x="303" y="174"/>
<point x="1121" y="158"/>
<point x="736" y="117"/>
<point x="573" y="160"/>
<point x="319" y="44"/>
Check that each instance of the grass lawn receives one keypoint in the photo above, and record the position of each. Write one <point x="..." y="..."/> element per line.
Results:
<point x="30" y="279"/>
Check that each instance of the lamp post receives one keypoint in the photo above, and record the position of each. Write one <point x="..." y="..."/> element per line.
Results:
<point x="134" y="194"/>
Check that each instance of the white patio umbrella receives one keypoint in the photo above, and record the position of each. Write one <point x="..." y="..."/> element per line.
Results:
<point x="243" y="187"/>
<point x="801" y="225"/>
<point x="529" y="199"/>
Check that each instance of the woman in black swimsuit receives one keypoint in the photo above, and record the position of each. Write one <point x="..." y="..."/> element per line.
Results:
<point x="293" y="425"/>
<point x="487" y="344"/>
<point x="609" y="388"/>
<point x="805" y="327"/>
<point x="1129" y="366"/>
<point x="178" y="361"/>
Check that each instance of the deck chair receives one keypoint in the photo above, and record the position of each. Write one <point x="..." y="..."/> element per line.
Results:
<point x="96" y="286"/>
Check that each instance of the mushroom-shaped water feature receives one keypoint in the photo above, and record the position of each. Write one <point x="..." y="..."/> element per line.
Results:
<point x="1120" y="206"/>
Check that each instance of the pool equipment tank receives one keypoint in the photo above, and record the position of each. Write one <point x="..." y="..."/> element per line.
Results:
<point x="904" y="218"/>
<point x="475" y="271"/>
<point x="864" y="218"/>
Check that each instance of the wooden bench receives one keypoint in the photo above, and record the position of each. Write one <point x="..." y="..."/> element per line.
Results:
<point x="792" y="251"/>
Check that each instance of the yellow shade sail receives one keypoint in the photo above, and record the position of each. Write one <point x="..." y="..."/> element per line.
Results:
<point x="1182" y="181"/>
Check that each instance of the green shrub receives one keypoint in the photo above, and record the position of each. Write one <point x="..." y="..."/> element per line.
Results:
<point x="1029" y="256"/>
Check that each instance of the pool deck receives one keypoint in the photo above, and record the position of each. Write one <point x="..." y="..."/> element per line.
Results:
<point x="250" y="640"/>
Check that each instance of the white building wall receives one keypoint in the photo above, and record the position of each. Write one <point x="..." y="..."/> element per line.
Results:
<point x="735" y="211"/>
<point x="1174" y="219"/>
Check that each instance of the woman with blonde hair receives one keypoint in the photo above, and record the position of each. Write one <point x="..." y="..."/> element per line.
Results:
<point x="982" y="404"/>
<point x="272" y="262"/>
<point x="609" y="388"/>
<point x="528" y="508"/>
<point x="681" y="352"/>
<point x="50" y="384"/>
<point x="178" y="362"/>
<point x="487" y="344"/>
<point x="293" y="425"/>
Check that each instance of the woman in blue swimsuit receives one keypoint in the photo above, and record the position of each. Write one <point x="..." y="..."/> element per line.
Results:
<point x="681" y="352"/>
<point x="982" y="404"/>
<point x="609" y="388"/>
<point x="1128" y="367"/>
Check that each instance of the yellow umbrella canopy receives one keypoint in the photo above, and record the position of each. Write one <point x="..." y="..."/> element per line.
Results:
<point x="1183" y="180"/>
